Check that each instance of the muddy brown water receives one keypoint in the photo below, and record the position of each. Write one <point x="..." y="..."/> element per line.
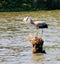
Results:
<point x="14" y="45"/>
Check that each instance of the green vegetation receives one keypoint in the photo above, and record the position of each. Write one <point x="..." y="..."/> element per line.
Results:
<point x="29" y="5"/>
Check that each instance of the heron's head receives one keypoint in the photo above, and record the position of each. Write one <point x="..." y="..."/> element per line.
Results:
<point x="27" y="20"/>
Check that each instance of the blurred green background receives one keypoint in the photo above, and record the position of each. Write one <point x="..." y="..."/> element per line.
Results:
<point x="29" y="5"/>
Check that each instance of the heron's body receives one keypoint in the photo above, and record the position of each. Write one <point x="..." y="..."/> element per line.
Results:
<point x="42" y="25"/>
<point x="37" y="24"/>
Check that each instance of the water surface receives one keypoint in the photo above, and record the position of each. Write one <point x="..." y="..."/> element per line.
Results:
<point x="14" y="45"/>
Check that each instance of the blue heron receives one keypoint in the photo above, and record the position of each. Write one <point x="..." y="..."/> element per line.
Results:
<point x="38" y="25"/>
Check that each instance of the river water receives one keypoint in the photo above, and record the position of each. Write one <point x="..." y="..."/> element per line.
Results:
<point x="14" y="45"/>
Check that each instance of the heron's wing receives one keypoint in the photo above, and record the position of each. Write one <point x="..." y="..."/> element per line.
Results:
<point x="42" y="25"/>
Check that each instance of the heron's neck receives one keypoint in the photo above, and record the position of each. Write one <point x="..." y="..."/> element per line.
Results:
<point x="32" y="22"/>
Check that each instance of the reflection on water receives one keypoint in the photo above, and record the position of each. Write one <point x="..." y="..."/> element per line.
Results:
<point x="14" y="45"/>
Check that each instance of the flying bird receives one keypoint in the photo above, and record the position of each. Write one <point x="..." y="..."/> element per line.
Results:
<point x="38" y="25"/>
